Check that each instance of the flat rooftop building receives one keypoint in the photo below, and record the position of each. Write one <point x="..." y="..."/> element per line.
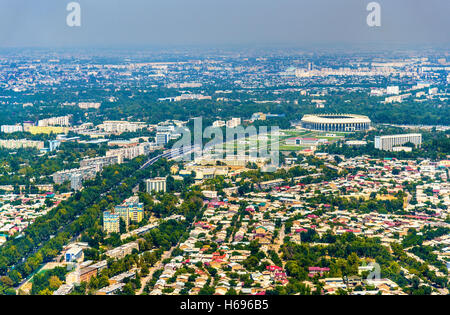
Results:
<point x="387" y="143"/>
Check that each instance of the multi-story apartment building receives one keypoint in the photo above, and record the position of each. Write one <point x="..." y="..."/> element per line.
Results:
<point x="130" y="210"/>
<point x="162" y="138"/>
<point x="88" y="105"/>
<point x="165" y="128"/>
<point x="156" y="184"/>
<point x="88" y="170"/>
<point x="102" y="161"/>
<point x="21" y="143"/>
<point x="123" y="250"/>
<point x="387" y="143"/>
<point x="122" y="211"/>
<point x="11" y="128"/>
<point x="76" y="181"/>
<point x="55" y="121"/>
<point x="47" y="130"/>
<point x="187" y="97"/>
<point x="67" y="175"/>
<point x="84" y="274"/>
<point x="135" y="209"/>
<point x="111" y="222"/>
<point x="119" y="127"/>
<point x="130" y="152"/>
<point x="393" y="90"/>
<point x="27" y="125"/>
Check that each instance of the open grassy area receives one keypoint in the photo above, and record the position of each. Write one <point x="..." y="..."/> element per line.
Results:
<point x="293" y="147"/>
<point x="282" y="140"/>
<point x="306" y="134"/>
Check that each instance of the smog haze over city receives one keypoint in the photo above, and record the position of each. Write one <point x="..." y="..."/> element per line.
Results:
<point x="120" y="23"/>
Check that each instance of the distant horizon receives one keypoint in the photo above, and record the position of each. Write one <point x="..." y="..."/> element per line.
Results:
<point x="307" y="47"/>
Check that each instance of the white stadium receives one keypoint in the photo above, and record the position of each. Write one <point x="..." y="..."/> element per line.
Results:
<point x="336" y="122"/>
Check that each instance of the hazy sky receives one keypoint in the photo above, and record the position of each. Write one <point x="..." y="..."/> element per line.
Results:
<point x="222" y="22"/>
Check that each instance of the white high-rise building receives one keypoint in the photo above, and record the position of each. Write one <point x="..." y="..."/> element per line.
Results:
<point x="156" y="184"/>
<point x="387" y="143"/>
